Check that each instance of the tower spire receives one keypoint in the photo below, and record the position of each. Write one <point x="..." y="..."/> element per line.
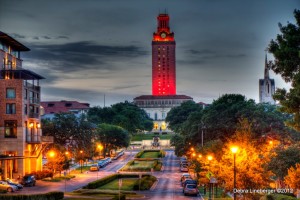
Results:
<point x="266" y="68"/>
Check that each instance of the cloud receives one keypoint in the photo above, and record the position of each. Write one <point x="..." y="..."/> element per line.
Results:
<point x="17" y="36"/>
<point x="82" y="55"/>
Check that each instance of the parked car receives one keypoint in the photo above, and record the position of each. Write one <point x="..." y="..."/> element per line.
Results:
<point x="94" y="167"/>
<point x="184" y="180"/>
<point x="5" y="186"/>
<point x="185" y="175"/>
<point x="102" y="163"/>
<point x="10" y="182"/>
<point x="28" y="180"/>
<point x="191" y="189"/>
<point x="188" y="181"/>
<point x="184" y="168"/>
<point x="108" y="159"/>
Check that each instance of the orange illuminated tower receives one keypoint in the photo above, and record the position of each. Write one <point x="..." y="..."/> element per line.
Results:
<point x="163" y="58"/>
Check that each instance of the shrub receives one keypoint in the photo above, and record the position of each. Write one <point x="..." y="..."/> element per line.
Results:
<point x="46" y="196"/>
<point x="3" y="191"/>
<point x="100" y="182"/>
<point x="156" y="133"/>
<point x="164" y="133"/>
<point x="42" y="174"/>
<point x="139" y="154"/>
<point x="122" y="197"/>
<point x="145" y="183"/>
<point x="158" y="166"/>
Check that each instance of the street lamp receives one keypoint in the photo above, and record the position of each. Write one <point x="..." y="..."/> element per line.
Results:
<point x="234" y="150"/>
<point x="81" y="160"/>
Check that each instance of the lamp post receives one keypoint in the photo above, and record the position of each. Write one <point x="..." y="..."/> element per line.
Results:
<point x="234" y="150"/>
<point x="81" y="161"/>
<point x="209" y="158"/>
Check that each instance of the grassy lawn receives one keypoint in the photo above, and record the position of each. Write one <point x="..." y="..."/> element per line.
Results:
<point x="139" y="166"/>
<point x="58" y="178"/>
<point x="78" y="170"/>
<point x="127" y="184"/>
<point x="150" y="154"/>
<point x="141" y="137"/>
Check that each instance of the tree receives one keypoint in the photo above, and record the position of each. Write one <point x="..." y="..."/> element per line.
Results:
<point x="126" y="115"/>
<point x="178" y="115"/>
<point x="70" y="132"/>
<point x="286" y="51"/>
<point x="284" y="159"/>
<point x="112" y="137"/>
<point x="293" y="177"/>
<point x="250" y="163"/>
<point x="56" y="159"/>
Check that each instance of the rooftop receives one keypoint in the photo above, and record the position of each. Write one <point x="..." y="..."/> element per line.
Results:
<point x="157" y="97"/>
<point x="51" y="107"/>
<point x="12" y="42"/>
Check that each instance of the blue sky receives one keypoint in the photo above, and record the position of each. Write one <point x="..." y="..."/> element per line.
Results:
<point x="86" y="49"/>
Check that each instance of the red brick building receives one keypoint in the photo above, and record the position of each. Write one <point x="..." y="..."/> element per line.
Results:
<point x="21" y="141"/>
<point x="50" y="108"/>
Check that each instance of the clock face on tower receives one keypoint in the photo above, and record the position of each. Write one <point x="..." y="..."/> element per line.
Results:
<point x="163" y="35"/>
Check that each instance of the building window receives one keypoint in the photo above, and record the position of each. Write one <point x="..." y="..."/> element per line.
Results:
<point x="10" y="93"/>
<point x="25" y="109"/>
<point x="26" y="93"/>
<point x="10" y="108"/>
<point x="155" y="116"/>
<point x="10" y="129"/>
<point x="163" y="115"/>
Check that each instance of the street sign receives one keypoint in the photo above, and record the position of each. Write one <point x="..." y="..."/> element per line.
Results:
<point x="213" y="180"/>
<point x="209" y="174"/>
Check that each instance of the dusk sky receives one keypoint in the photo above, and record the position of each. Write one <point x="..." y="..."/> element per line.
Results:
<point x="88" y="48"/>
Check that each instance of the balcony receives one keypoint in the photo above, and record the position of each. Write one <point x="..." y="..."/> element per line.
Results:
<point x="47" y="139"/>
<point x="31" y="86"/>
<point x="33" y="100"/>
<point x="33" y="138"/>
<point x="34" y="115"/>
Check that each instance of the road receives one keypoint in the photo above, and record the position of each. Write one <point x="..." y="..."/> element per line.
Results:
<point x="167" y="188"/>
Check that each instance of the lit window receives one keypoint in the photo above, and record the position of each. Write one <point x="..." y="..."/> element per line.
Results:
<point x="10" y="129"/>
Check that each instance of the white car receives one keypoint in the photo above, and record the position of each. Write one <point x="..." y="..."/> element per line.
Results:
<point x="5" y="186"/>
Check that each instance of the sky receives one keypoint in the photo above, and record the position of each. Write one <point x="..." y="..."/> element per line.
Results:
<point x="88" y="49"/>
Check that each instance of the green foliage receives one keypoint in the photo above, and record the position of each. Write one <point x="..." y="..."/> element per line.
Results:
<point x="67" y="128"/>
<point x="179" y="142"/>
<point x="125" y="115"/>
<point x="286" y="51"/>
<point x="121" y="197"/>
<point x="151" y="154"/>
<point x="145" y="183"/>
<point x="178" y="115"/>
<point x="284" y="159"/>
<point x="100" y="182"/>
<point x="112" y="137"/>
<point x="46" y="196"/>
<point x="142" y="165"/>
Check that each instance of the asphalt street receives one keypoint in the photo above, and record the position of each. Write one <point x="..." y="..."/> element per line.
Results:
<point x="167" y="188"/>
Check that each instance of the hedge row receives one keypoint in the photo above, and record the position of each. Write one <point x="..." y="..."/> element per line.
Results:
<point x="161" y="154"/>
<point x="46" y="196"/>
<point x="145" y="183"/>
<point x="107" y="179"/>
<point x="42" y="174"/>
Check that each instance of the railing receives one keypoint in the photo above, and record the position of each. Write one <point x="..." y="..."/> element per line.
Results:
<point x="47" y="139"/>
<point x="33" y="138"/>
<point x="31" y="86"/>
<point x="33" y="100"/>
<point x="33" y="115"/>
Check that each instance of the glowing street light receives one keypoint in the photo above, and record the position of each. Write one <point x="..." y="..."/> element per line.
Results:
<point x="234" y="150"/>
<point x="51" y="154"/>
<point x="81" y="160"/>
<point x="209" y="157"/>
<point x="192" y="149"/>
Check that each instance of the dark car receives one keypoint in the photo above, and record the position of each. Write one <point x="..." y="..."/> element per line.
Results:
<point x="102" y="163"/>
<point x="10" y="182"/>
<point x="191" y="189"/>
<point x="188" y="181"/>
<point x="28" y="180"/>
